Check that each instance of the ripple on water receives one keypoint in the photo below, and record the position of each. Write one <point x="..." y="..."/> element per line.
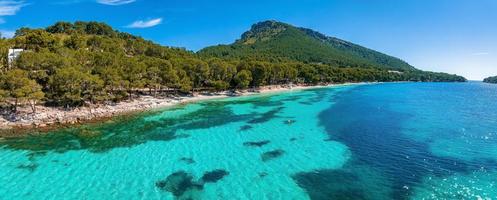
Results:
<point x="476" y="185"/>
<point x="146" y="157"/>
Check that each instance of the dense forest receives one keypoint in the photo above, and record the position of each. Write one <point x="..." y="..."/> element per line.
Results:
<point x="492" y="79"/>
<point x="73" y="64"/>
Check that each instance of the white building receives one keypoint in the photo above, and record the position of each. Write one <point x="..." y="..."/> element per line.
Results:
<point x="13" y="54"/>
<point x="395" y="72"/>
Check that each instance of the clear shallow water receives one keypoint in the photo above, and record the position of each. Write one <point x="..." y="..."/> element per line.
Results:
<point x="386" y="141"/>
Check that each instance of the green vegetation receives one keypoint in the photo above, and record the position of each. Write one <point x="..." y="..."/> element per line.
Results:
<point x="274" y="41"/>
<point x="75" y="64"/>
<point x="17" y="85"/>
<point x="492" y="79"/>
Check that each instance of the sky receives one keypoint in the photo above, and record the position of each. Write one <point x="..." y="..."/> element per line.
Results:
<point x="454" y="36"/>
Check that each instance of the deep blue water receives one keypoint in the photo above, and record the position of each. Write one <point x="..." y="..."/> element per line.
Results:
<point x="375" y="141"/>
<point x="412" y="132"/>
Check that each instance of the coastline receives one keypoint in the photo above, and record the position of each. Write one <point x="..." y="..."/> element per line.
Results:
<point x="47" y="118"/>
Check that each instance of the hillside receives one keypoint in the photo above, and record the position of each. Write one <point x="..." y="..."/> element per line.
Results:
<point x="270" y="40"/>
<point x="492" y="79"/>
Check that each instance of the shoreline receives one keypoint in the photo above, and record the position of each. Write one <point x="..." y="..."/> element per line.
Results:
<point x="49" y="118"/>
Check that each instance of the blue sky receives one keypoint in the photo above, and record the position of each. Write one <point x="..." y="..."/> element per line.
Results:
<point x="455" y="36"/>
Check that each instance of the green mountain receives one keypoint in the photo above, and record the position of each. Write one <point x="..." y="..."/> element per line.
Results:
<point x="492" y="79"/>
<point x="277" y="40"/>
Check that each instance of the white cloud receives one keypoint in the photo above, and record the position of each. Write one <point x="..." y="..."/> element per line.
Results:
<point x="115" y="2"/>
<point x="145" y="24"/>
<point x="9" y="8"/>
<point x="480" y="53"/>
<point x="7" y="34"/>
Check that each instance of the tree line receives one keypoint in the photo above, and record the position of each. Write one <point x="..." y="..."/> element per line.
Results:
<point x="73" y="64"/>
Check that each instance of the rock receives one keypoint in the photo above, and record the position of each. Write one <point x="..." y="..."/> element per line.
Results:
<point x="256" y="144"/>
<point x="214" y="176"/>
<point x="179" y="183"/>
<point x="270" y="155"/>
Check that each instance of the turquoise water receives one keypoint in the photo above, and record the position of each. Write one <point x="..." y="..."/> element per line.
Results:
<point x="381" y="141"/>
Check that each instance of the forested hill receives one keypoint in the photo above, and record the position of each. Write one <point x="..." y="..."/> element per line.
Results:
<point x="73" y="64"/>
<point x="492" y="79"/>
<point x="274" y="40"/>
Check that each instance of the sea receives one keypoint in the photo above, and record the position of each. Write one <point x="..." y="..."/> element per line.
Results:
<point x="365" y="141"/>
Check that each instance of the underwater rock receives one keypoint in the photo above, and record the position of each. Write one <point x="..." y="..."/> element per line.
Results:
<point x="187" y="160"/>
<point x="204" y="118"/>
<point x="182" y="185"/>
<point x="272" y="155"/>
<point x="293" y="98"/>
<point x="214" y="176"/>
<point x="323" y="185"/>
<point x="289" y="122"/>
<point x="30" y="167"/>
<point x="256" y="144"/>
<point x="265" y="117"/>
<point x="166" y="136"/>
<point x="181" y="136"/>
<point x="88" y="134"/>
<point x="32" y="155"/>
<point x="246" y="127"/>
<point x="179" y="183"/>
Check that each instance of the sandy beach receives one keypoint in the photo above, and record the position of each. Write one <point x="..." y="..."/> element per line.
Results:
<point x="50" y="116"/>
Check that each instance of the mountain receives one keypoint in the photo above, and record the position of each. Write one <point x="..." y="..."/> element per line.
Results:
<point x="492" y="79"/>
<point x="277" y="40"/>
